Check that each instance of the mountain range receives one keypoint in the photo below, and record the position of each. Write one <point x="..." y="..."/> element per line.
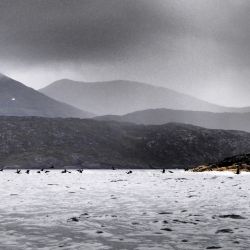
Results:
<point x="38" y="128"/>
<point x="16" y="99"/>
<point x="122" y="97"/>
<point x="231" y="121"/>
<point x="31" y="142"/>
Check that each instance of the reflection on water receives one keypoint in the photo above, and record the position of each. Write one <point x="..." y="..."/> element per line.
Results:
<point x="102" y="209"/>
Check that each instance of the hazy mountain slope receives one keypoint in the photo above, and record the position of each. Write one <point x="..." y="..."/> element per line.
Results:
<point x="34" y="141"/>
<point x="16" y="99"/>
<point x="234" y="121"/>
<point x="121" y="97"/>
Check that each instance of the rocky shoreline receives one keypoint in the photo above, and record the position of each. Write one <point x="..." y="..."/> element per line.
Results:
<point x="236" y="163"/>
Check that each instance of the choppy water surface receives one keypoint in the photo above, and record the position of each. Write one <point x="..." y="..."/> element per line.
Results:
<point x="101" y="209"/>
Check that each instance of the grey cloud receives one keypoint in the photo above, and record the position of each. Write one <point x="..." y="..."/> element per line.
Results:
<point x="76" y="30"/>
<point x="100" y="30"/>
<point x="190" y="46"/>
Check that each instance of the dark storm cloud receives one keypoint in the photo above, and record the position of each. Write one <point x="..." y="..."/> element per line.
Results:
<point x="56" y="30"/>
<point x="45" y="30"/>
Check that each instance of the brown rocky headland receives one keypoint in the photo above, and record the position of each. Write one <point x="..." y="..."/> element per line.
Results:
<point x="236" y="163"/>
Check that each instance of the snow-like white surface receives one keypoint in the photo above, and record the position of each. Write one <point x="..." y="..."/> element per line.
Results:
<point x="115" y="210"/>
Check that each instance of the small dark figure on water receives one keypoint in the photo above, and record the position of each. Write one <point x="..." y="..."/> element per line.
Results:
<point x="65" y="171"/>
<point x="238" y="169"/>
<point x="163" y="170"/>
<point x="27" y="171"/>
<point x="113" y="168"/>
<point x="79" y="170"/>
<point x="1" y="169"/>
<point x="18" y="171"/>
<point x="129" y="172"/>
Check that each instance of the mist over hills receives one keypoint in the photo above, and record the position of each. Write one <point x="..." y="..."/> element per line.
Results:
<point x="231" y="121"/>
<point x="153" y="141"/>
<point x="40" y="142"/>
<point x="122" y="97"/>
<point x="16" y="99"/>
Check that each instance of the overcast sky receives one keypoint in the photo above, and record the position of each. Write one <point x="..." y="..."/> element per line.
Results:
<point x="199" y="47"/>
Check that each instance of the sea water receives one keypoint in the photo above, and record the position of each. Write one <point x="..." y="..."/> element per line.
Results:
<point x="106" y="209"/>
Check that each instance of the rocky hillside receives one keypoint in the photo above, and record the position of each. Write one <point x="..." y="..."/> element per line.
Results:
<point x="241" y="161"/>
<point x="42" y="142"/>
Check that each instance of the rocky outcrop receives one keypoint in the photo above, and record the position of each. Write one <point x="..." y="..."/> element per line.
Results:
<point x="241" y="162"/>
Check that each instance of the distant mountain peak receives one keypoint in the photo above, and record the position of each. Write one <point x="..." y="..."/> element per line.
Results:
<point x="119" y="97"/>
<point x="16" y="99"/>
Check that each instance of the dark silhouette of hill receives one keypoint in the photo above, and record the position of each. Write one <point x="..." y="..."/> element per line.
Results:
<point x="41" y="142"/>
<point x="233" y="121"/>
